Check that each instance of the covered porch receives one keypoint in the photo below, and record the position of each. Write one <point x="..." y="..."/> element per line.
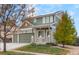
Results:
<point x="42" y="34"/>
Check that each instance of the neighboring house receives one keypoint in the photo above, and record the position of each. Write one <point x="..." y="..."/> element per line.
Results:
<point x="38" y="29"/>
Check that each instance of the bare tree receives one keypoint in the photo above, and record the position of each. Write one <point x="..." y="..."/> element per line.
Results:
<point x="10" y="16"/>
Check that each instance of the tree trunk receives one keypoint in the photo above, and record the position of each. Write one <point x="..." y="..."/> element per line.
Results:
<point x="63" y="43"/>
<point x="63" y="46"/>
<point x="4" y="41"/>
<point x="4" y="45"/>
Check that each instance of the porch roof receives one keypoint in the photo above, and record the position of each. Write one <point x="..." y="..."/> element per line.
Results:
<point x="41" y="26"/>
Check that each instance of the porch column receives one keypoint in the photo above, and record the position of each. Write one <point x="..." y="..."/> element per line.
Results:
<point x="32" y="37"/>
<point x="46" y="40"/>
<point x="35" y="34"/>
<point x="40" y="38"/>
<point x="49" y="34"/>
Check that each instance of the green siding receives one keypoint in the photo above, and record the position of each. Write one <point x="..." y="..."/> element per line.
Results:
<point x="25" y="38"/>
<point x="46" y="19"/>
<point x="37" y="21"/>
<point x="42" y="20"/>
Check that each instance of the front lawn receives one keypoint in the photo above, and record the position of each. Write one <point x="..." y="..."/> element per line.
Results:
<point x="43" y="49"/>
<point x="12" y="53"/>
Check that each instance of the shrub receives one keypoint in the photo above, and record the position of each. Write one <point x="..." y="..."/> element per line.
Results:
<point x="51" y="44"/>
<point x="33" y="44"/>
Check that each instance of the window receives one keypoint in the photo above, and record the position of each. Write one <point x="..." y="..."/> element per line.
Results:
<point x="47" y="33"/>
<point x="39" y="18"/>
<point x="39" y="21"/>
<point x="56" y="19"/>
<point x="43" y="19"/>
<point x="47" y="19"/>
<point x="51" y="19"/>
<point x="40" y="33"/>
<point x="34" y="20"/>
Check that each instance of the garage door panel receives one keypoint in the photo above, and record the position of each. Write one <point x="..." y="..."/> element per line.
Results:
<point x="15" y="38"/>
<point x="25" y="38"/>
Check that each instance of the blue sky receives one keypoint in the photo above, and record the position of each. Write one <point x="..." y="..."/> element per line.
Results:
<point x="72" y="9"/>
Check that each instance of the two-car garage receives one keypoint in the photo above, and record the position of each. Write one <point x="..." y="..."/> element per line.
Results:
<point x="22" y="38"/>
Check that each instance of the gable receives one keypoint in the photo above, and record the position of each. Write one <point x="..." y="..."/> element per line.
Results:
<point x="25" y="24"/>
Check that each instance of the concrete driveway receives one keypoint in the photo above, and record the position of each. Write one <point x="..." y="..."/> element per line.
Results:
<point x="11" y="46"/>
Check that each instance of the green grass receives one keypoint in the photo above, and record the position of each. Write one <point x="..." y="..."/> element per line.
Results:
<point x="44" y="49"/>
<point x="12" y="53"/>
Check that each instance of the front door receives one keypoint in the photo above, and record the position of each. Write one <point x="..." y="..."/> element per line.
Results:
<point x="41" y="36"/>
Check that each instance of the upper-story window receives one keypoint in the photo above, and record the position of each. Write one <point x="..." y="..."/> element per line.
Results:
<point x="56" y="19"/>
<point x="47" y="19"/>
<point x="51" y="19"/>
<point x="39" y="20"/>
<point x="43" y="20"/>
<point x="34" y="20"/>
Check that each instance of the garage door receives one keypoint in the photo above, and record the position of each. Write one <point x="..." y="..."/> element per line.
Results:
<point x="25" y="37"/>
<point x="15" y="38"/>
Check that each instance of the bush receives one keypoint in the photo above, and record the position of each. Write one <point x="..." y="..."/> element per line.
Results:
<point x="33" y="44"/>
<point x="51" y="44"/>
<point x="47" y="44"/>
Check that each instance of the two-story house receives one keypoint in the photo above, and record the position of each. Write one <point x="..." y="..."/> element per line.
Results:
<point x="38" y="29"/>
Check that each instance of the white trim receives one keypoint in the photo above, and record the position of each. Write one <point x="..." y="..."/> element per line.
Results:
<point x="47" y="36"/>
<point x="26" y="29"/>
<point x="34" y="30"/>
<point x="32" y="39"/>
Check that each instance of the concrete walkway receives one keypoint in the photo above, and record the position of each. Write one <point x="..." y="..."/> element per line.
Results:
<point x="34" y="53"/>
<point x="74" y="50"/>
